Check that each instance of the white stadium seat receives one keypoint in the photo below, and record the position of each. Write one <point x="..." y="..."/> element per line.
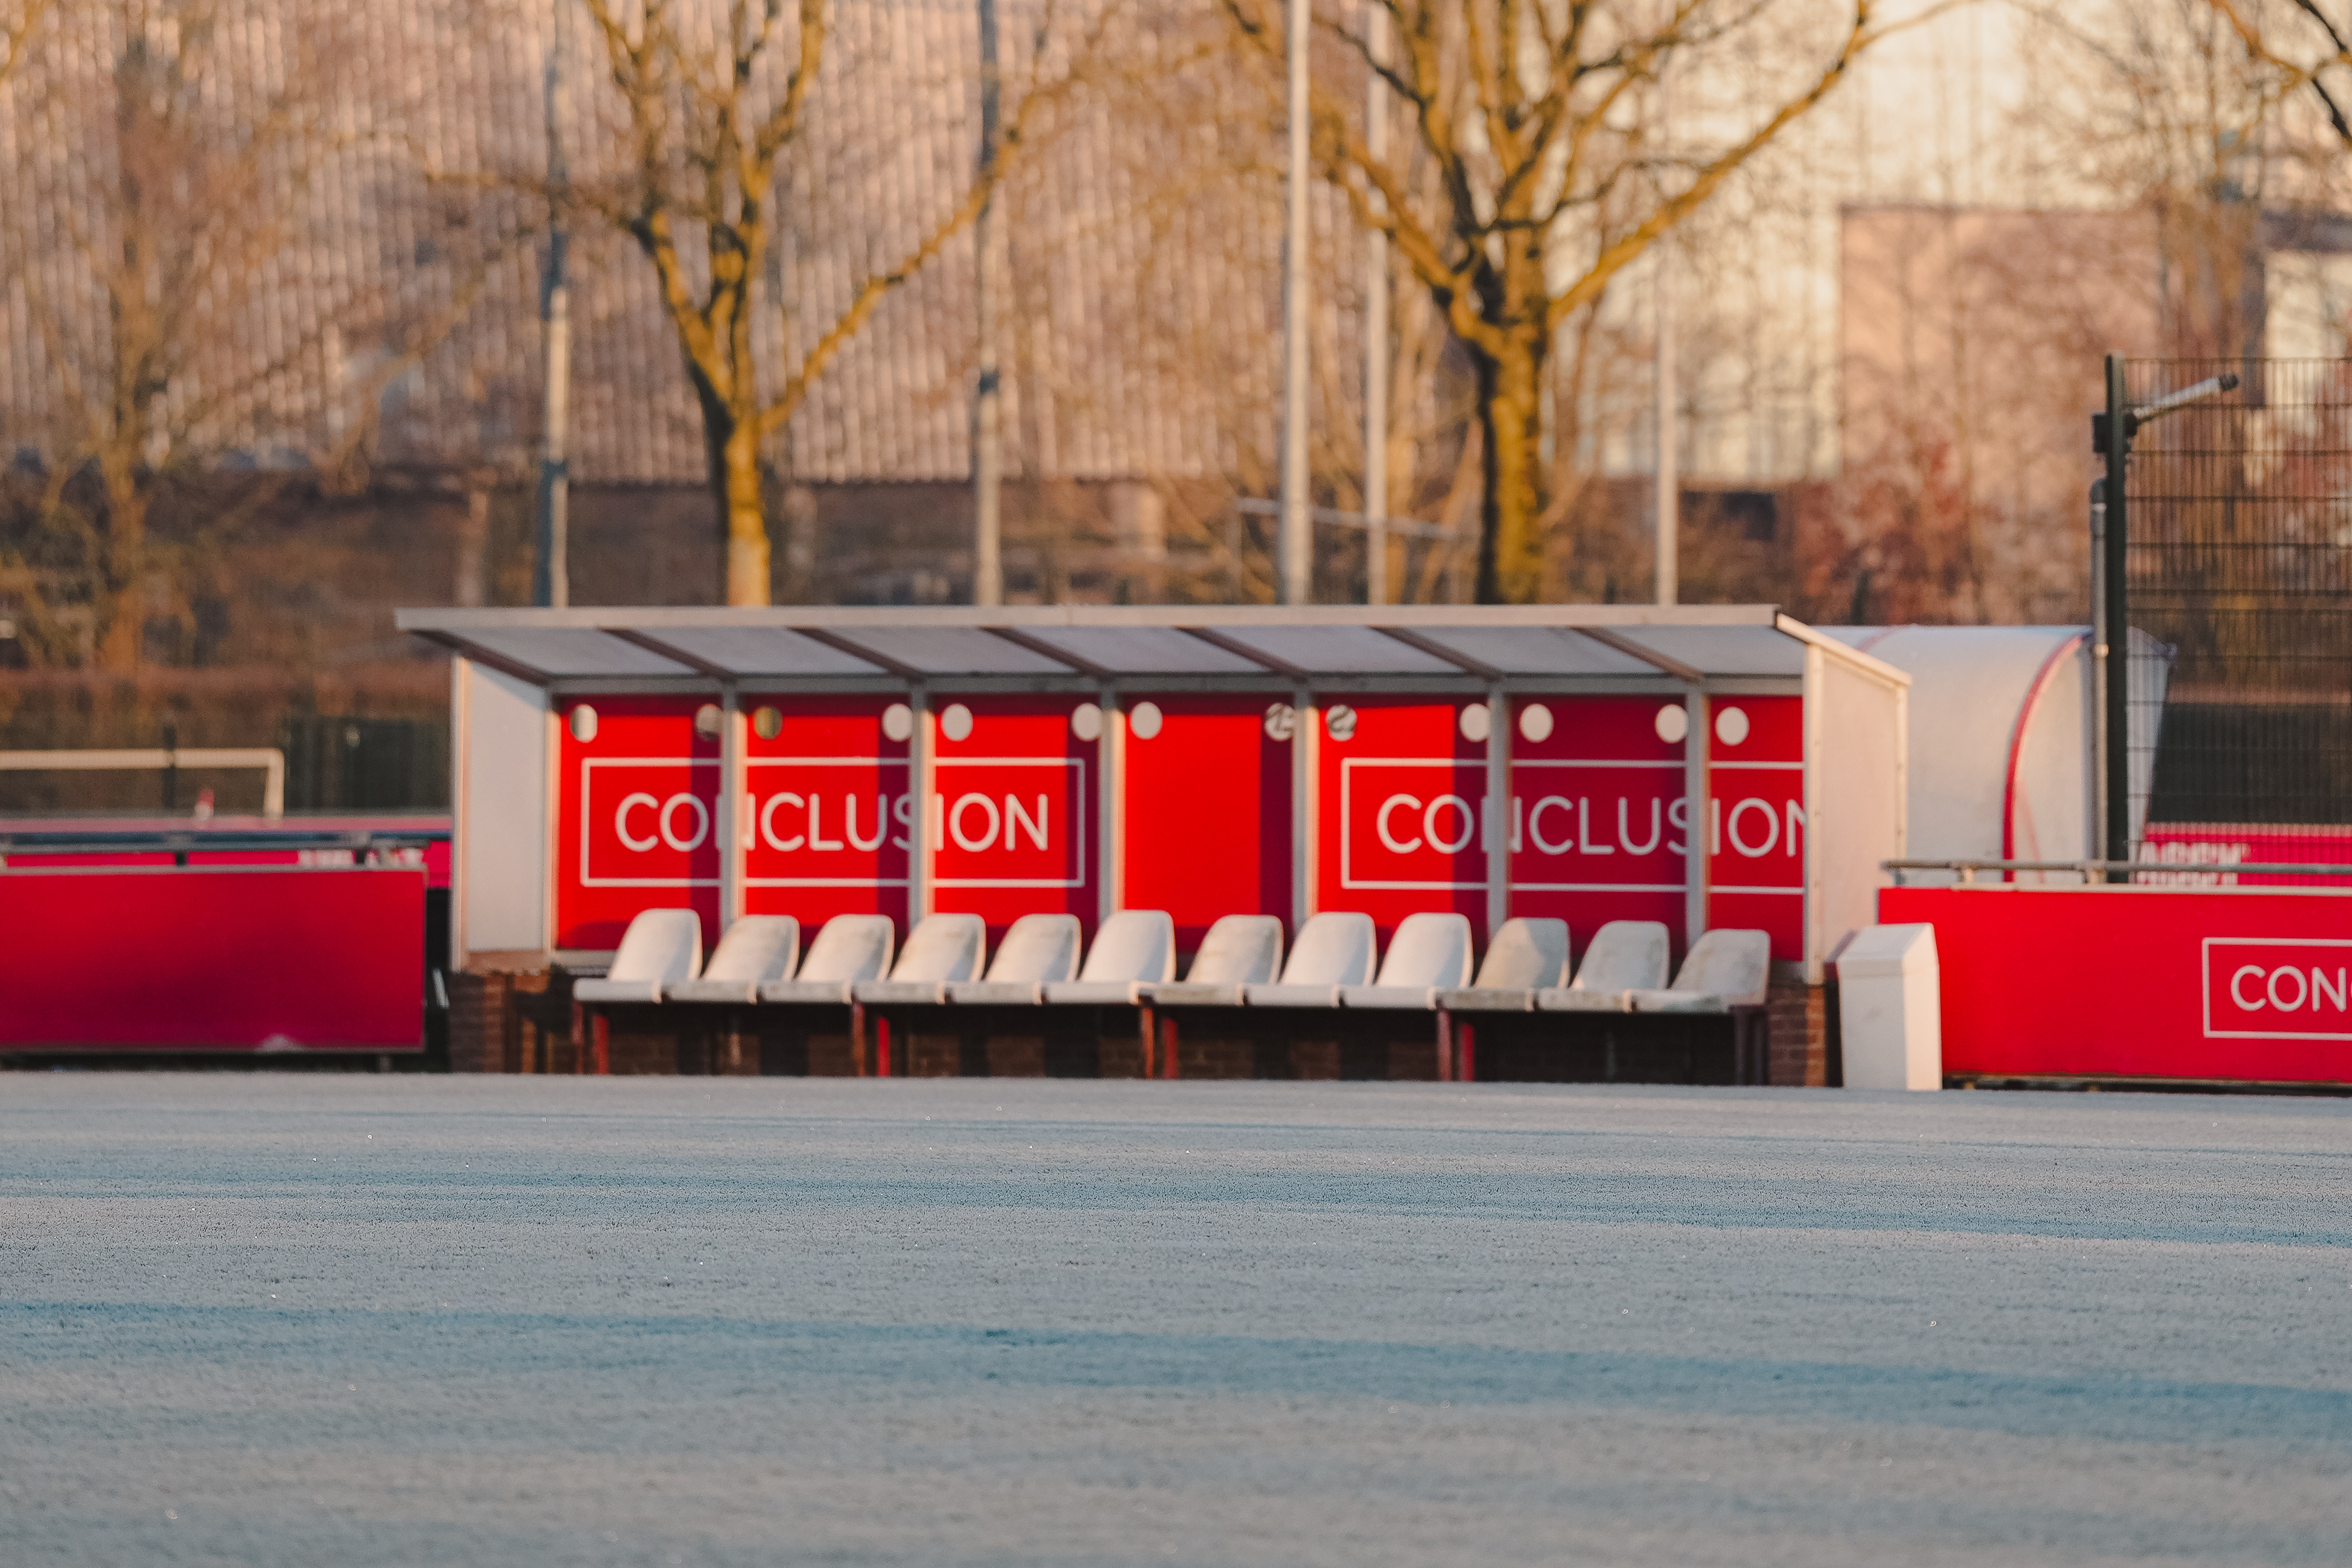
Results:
<point x="1725" y="968"/>
<point x="1038" y="950"/>
<point x="754" y="950"/>
<point x="941" y="951"/>
<point x="1429" y="953"/>
<point x="1334" y="950"/>
<point x="1239" y="950"/>
<point x="660" y="948"/>
<point x="850" y="948"/>
<point x="1134" y="950"/>
<point x="1527" y="955"/>
<point x="1625" y="956"/>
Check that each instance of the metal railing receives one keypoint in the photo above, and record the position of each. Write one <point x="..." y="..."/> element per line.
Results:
<point x="2175" y="873"/>
<point x="160" y="759"/>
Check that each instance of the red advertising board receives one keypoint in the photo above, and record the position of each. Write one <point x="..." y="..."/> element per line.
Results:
<point x="218" y="959"/>
<point x="828" y="807"/>
<point x="1013" y="809"/>
<point x="1756" y="828"/>
<point x="2206" y="851"/>
<point x="2140" y="982"/>
<point x="1598" y="810"/>
<point x="1206" y="804"/>
<point x="1402" y="795"/>
<point x="637" y="813"/>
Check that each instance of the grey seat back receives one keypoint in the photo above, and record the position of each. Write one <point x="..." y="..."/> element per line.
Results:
<point x="1526" y="954"/>
<point x="850" y="948"/>
<point x="756" y="948"/>
<point x="945" y="948"/>
<point x="1428" y="949"/>
<point x="663" y="946"/>
<point x="1239" y="950"/>
<point x="1626" y="955"/>
<point x="1039" y="950"/>
<point x="1736" y="965"/>
<point x="1334" y="948"/>
<point x="1133" y="944"/>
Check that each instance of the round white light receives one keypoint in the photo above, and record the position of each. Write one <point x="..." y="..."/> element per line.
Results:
<point x="1674" y="724"/>
<point x="1535" y="722"/>
<point x="1339" y="722"/>
<point x="767" y="723"/>
<point x="897" y="721"/>
<point x="1143" y="721"/>
<point x="955" y="723"/>
<point x="1731" y="726"/>
<point x="584" y="723"/>
<point x="1475" y="724"/>
<point x="1086" y="722"/>
<point x="1281" y="719"/>
<point x="706" y="720"/>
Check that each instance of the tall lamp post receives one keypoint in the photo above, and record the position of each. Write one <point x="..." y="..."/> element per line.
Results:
<point x="1293" y="536"/>
<point x="551" y="571"/>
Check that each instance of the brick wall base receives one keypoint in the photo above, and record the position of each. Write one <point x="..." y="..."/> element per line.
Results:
<point x="1798" y="1054"/>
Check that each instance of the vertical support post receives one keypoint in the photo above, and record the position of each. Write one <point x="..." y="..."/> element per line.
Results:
<point x="1110" y="791"/>
<point x="987" y="406"/>
<point x="2098" y="846"/>
<point x="1694" y="810"/>
<point x="461" y="672"/>
<point x="1294" y="539"/>
<point x="1376" y="324"/>
<point x="2118" y="846"/>
<point x="1497" y="814"/>
<point x="922" y="762"/>
<point x="734" y="826"/>
<point x="551" y="574"/>
<point x="550" y="875"/>
<point x="1306" y="731"/>
<point x="1667" y="499"/>
<point x="1815" y="935"/>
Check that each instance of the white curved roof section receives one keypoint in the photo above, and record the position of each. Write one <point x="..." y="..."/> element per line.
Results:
<point x="1211" y="644"/>
<point x="2002" y="739"/>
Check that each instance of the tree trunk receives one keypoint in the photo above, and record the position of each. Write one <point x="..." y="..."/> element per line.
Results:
<point x="732" y="441"/>
<point x="1510" y="418"/>
<point x="121" y="554"/>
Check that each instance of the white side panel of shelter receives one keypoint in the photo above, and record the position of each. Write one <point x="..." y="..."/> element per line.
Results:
<point x="1859" y="810"/>
<point x="2053" y="800"/>
<point x="499" y="865"/>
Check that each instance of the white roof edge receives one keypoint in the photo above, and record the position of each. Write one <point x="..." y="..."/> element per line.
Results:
<point x="790" y="617"/>
<point x="1861" y="663"/>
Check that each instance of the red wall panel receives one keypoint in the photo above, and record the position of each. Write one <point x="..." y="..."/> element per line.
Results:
<point x="637" y="819"/>
<point x="1207" y="808"/>
<point x="1401" y="801"/>
<point x="829" y="809"/>
<point x="1013" y="811"/>
<point x="1597" y="813"/>
<point x="1756" y="845"/>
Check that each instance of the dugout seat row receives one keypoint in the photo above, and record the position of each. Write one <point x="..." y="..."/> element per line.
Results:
<point x="1133" y="962"/>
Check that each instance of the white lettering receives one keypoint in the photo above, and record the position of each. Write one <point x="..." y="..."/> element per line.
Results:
<point x="881" y="821"/>
<point x="1016" y="819"/>
<point x="1771" y="826"/>
<point x="1584" y="845"/>
<point x="1796" y="820"/>
<point x="1677" y="819"/>
<point x="955" y="822"/>
<point x="1380" y="824"/>
<point x="1518" y="812"/>
<point x="817" y="840"/>
<point x="1657" y="828"/>
<point x="1429" y="824"/>
<point x="902" y="812"/>
<point x="2238" y="980"/>
<point x="2319" y="985"/>
<point x="701" y="822"/>
<point x="1715" y="827"/>
<point x="2302" y="991"/>
<point x="768" y="822"/>
<point x="1535" y="826"/>
<point x="620" y="822"/>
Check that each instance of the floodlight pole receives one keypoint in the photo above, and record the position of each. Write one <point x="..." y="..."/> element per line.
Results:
<point x="987" y="407"/>
<point x="1294" y="538"/>
<point x="1376" y="325"/>
<point x="551" y="570"/>
<point x="1666" y="497"/>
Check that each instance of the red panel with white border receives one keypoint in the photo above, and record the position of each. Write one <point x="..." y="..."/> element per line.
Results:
<point x="1598" y="809"/>
<point x="636" y="815"/>
<point x="1756" y="845"/>
<point x="1401" y="791"/>
<point x="828" y="807"/>
<point x="1014" y="809"/>
<point x="1206" y="788"/>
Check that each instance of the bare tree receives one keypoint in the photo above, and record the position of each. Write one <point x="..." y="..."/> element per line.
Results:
<point x="714" y="106"/>
<point x="1546" y="190"/>
<point x="2300" y="52"/>
<point x="19" y="23"/>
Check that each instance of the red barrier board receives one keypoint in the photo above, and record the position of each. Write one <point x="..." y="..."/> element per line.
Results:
<point x="637" y="813"/>
<point x="2140" y="982"/>
<point x="829" y="808"/>
<point x="1013" y="809"/>
<point x="217" y="959"/>
<point x="2211" y="848"/>
<point x="1206" y="804"/>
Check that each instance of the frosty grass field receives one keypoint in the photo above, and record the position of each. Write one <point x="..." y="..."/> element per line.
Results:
<point x="284" y="1320"/>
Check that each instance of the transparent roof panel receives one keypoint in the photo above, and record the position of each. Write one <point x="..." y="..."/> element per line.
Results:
<point x="561" y="651"/>
<point x="951" y="650"/>
<point x="1537" y="650"/>
<point x="763" y="651"/>
<point x="1145" y="650"/>
<point x="1724" y="650"/>
<point x="1338" y="651"/>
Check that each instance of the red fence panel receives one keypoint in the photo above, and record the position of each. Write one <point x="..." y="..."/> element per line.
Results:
<point x="216" y="959"/>
<point x="2140" y="982"/>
